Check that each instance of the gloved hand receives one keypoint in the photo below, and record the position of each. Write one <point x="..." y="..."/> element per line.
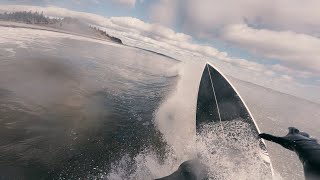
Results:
<point x="307" y="148"/>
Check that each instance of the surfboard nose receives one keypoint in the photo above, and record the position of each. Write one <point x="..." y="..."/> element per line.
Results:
<point x="220" y="104"/>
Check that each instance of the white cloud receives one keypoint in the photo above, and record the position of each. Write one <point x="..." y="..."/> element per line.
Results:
<point x="298" y="50"/>
<point x="298" y="73"/>
<point x="154" y="31"/>
<point x="284" y="30"/>
<point x="202" y="17"/>
<point x="164" y="12"/>
<point x="128" y="3"/>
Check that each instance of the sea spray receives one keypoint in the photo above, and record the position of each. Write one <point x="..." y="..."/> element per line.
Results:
<point x="175" y="119"/>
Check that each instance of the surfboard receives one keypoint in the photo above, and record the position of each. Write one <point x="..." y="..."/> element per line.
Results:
<point x="224" y="121"/>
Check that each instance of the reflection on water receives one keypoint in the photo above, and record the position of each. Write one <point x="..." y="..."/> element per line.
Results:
<point x="72" y="110"/>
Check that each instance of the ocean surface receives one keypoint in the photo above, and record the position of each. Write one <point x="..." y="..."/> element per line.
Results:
<point x="73" y="107"/>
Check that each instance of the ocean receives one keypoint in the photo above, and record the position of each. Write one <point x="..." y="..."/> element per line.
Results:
<point x="73" y="107"/>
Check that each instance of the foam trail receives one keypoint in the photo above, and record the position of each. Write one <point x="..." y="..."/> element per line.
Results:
<point x="175" y="119"/>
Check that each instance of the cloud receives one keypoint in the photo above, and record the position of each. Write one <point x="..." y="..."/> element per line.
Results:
<point x="293" y="49"/>
<point x="204" y="17"/>
<point x="128" y="3"/>
<point x="164" y="12"/>
<point x="298" y="73"/>
<point x="284" y="30"/>
<point x="154" y="31"/>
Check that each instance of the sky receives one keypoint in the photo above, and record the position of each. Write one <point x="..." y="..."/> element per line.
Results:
<point x="273" y="43"/>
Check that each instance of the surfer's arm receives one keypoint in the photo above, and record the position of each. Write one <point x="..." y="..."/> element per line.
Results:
<point x="308" y="150"/>
<point x="279" y="140"/>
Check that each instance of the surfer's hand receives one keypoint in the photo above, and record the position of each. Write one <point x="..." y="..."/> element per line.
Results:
<point x="279" y="140"/>
<point x="290" y="141"/>
<point x="268" y="137"/>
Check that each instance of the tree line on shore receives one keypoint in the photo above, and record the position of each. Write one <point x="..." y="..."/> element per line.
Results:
<point x="36" y="18"/>
<point x="28" y="17"/>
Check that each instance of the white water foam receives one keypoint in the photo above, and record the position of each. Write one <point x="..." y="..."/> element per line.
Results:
<point x="234" y="154"/>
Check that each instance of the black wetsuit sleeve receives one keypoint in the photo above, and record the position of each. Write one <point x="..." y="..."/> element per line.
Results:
<point x="279" y="140"/>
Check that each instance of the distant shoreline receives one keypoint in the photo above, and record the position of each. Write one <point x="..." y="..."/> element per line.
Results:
<point x="157" y="53"/>
<point x="36" y="27"/>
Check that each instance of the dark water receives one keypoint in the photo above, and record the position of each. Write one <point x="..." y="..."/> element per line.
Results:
<point x="70" y="108"/>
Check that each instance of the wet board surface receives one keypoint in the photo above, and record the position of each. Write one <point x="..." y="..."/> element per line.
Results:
<point x="227" y="134"/>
